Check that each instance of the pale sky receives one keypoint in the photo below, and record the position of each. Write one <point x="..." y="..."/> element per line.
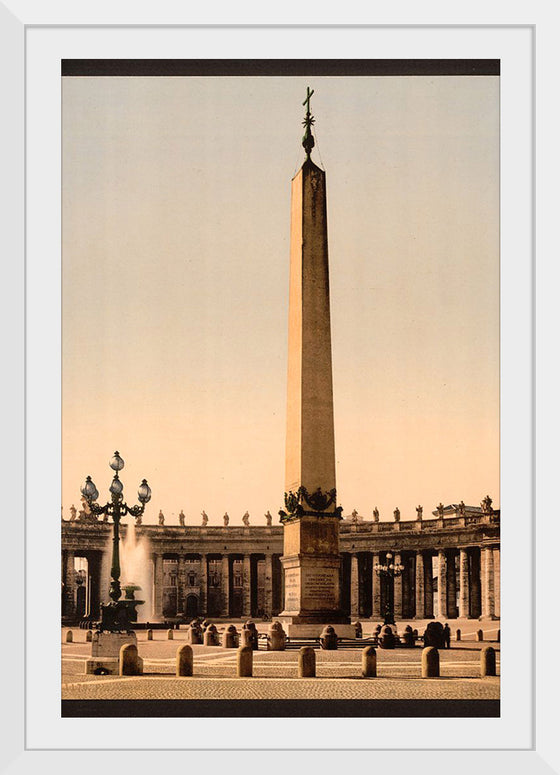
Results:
<point x="176" y="203"/>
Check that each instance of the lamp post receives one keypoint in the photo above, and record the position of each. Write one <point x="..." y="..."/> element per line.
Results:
<point x="116" y="615"/>
<point x="389" y="571"/>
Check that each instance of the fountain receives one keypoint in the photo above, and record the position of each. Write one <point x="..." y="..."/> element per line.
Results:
<point x="136" y="570"/>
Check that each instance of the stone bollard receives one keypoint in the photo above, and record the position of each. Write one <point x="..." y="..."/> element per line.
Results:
<point x="479" y="635"/>
<point x="458" y="634"/>
<point x="415" y="633"/>
<point x="328" y="639"/>
<point x="69" y="636"/>
<point x="487" y="661"/>
<point x="250" y="636"/>
<point x="253" y="628"/>
<point x="408" y="637"/>
<point x="434" y="635"/>
<point x="169" y="634"/>
<point x="230" y="638"/>
<point x="150" y="634"/>
<point x="306" y="662"/>
<point x="430" y="662"/>
<point x="246" y="638"/>
<point x="194" y="634"/>
<point x="184" y="661"/>
<point x="129" y="661"/>
<point x="244" y="662"/>
<point x="211" y="637"/>
<point x="276" y="638"/>
<point x="357" y="629"/>
<point x="89" y="636"/>
<point x="369" y="662"/>
<point x="387" y="638"/>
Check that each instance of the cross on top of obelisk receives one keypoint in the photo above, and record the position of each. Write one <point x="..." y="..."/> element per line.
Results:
<point x="308" y="141"/>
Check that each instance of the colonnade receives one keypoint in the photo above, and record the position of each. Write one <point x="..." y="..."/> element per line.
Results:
<point x="438" y="580"/>
<point x="445" y="583"/>
<point x="226" y="585"/>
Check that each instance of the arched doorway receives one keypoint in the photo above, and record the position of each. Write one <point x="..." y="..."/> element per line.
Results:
<point x="191" y="605"/>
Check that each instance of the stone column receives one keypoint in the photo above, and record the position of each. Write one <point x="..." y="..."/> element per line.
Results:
<point x="375" y="590"/>
<point x="354" y="587"/>
<point x="247" y="585"/>
<point x="475" y="608"/>
<point x="442" y="584"/>
<point x="463" y="583"/>
<point x="282" y="586"/>
<point x="158" y="587"/>
<point x="203" y="585"/>
<point x="451" y="584"/>
<point x="225" y="585"/>
<point x="69" y="582"/>
<point x="397" y="590"/>
<point x="181" y="584"/>
<point x="428" y="587"/>
<point x="268" y="585"/>
<point x="419" y="592"/>
<point x="496" y="563"/>
<point x="487" y="578"/>
<point x="277" y="600"/>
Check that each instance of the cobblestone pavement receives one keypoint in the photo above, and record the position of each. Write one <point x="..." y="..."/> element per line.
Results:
<point x="275" y="673"/>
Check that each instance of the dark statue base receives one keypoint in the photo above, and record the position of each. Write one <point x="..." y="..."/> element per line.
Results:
<point x="119" y="616"/>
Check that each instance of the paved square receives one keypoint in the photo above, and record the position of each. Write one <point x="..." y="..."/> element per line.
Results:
<point x="275" y="672"/>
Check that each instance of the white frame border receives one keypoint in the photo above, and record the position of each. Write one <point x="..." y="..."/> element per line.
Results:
<point x="13" y="35"/>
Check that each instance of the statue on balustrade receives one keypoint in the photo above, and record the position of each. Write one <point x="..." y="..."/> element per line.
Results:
<point x="204" y="518"/>
<point x="376" y="514"/>
<point x="182" y="518"/>
<point x="245" y="518"/>
<point x="397" y="514"/>
<point x="440" y="509"/>
<point x="419" y="512"/>
<point x="486" y="505"/>
<point x="226" y="519"/>
<point x="161" y="518"/>
<point x="268" y="517"/>
<point x="462" y="509"/>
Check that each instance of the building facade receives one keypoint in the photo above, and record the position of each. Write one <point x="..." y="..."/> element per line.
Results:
<point x="451" y="567"/>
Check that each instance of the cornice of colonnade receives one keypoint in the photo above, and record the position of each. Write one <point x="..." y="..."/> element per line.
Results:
<point x="479" y="530"/>
<point x="92" y="534"/>
<point x="410" y="535"/>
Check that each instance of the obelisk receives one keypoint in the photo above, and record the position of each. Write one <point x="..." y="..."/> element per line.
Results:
<point x="311" y="558"/>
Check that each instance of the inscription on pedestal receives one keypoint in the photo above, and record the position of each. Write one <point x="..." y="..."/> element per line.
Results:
<point x="319" y="588"/>
<point x="292" y="591"/>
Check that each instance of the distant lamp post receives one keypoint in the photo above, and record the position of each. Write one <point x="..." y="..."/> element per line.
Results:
<point x="389" y="571"/>
<point x="116" y="615"/>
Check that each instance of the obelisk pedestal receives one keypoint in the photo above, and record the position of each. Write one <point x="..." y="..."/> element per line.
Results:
<point x="311" y="558"/>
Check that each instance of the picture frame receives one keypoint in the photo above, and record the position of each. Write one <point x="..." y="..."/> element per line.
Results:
<point x="18" y="43"/>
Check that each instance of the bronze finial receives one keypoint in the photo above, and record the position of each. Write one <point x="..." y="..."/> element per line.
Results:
<point x="308" y="141"/>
